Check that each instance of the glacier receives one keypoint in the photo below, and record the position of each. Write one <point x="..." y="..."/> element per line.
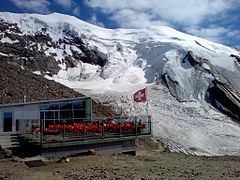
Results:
<point x="190" y="80"/>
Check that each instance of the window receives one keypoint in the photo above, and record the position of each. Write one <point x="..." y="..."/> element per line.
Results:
<point x="78" y="114"/>
<point x="67" y="111"/>
<point x="66" y="106"/>
<point x="66" y="114"/>
<point x="7" y="121"/>
<point x="50" y="115"/>
<point x="41" y="115"/>
<point x="49" y="107"/>
<point x="79" y="105"/>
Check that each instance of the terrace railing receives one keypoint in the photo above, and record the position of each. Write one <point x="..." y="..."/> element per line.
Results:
<point x="75" y="131"/>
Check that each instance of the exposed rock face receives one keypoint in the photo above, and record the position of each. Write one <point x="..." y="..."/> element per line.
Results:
<point x="236" y="56"/>
<point x="212" y="83"/>
<point x="223" y="90"/>
<point x="16" y="82"/>
<point x="189" y="89"/>
<point x="225" y="98"/>
<point x="31" y="50"/>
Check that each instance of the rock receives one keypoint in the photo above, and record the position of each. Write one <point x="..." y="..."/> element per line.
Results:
<point x="8" y="152"/>
<point x="67" y="160"/>
<point x="92" y="152"/>
<point x="64" y="160"/>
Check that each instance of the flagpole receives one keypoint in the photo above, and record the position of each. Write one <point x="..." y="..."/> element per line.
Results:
<point x="147" y="100"/>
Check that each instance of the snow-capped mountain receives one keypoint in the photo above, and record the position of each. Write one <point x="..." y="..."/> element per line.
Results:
<point x="187" y="77"/>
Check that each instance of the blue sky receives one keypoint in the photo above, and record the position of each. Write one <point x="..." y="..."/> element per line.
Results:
<point x="216" y="20"/>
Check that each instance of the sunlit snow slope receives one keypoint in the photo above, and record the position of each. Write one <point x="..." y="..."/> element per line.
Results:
<point x="185" y="75"/>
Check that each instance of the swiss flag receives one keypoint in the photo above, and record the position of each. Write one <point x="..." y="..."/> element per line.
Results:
<point x="140" y="96"/>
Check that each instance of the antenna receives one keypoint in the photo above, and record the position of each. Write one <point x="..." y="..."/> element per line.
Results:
<point x="24" y="98"/>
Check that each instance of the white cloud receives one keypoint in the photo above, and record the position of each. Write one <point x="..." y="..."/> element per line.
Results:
<point x="213" y="33"/>
<point x="65" y="3"/>
<point x="95" y="21"/>
<point x="184" y="12"/>
<point x="40" y="6"/>
<point x="192" y="16"/>
<point x="76" y="11"/>
<point x="70" y="4"/>
<point x="130" y="18"/>
<point x="234" y="34"/>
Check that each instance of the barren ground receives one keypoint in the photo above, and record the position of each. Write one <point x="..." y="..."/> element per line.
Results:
<point x="151" y="162"/>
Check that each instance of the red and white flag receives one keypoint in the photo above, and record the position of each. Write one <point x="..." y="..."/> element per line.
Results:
<point x="140" y="96"/>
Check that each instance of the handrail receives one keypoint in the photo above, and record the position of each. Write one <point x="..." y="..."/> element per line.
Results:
<point x="55" y="130"/>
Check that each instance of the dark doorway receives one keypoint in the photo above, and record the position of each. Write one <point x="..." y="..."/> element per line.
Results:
<point x="7" y="121"/>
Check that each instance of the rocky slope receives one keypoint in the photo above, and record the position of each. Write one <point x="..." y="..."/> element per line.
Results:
<point x="17" y="82"/>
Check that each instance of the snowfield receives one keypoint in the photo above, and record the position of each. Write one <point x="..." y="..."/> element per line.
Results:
<point x="142" y="57"/>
